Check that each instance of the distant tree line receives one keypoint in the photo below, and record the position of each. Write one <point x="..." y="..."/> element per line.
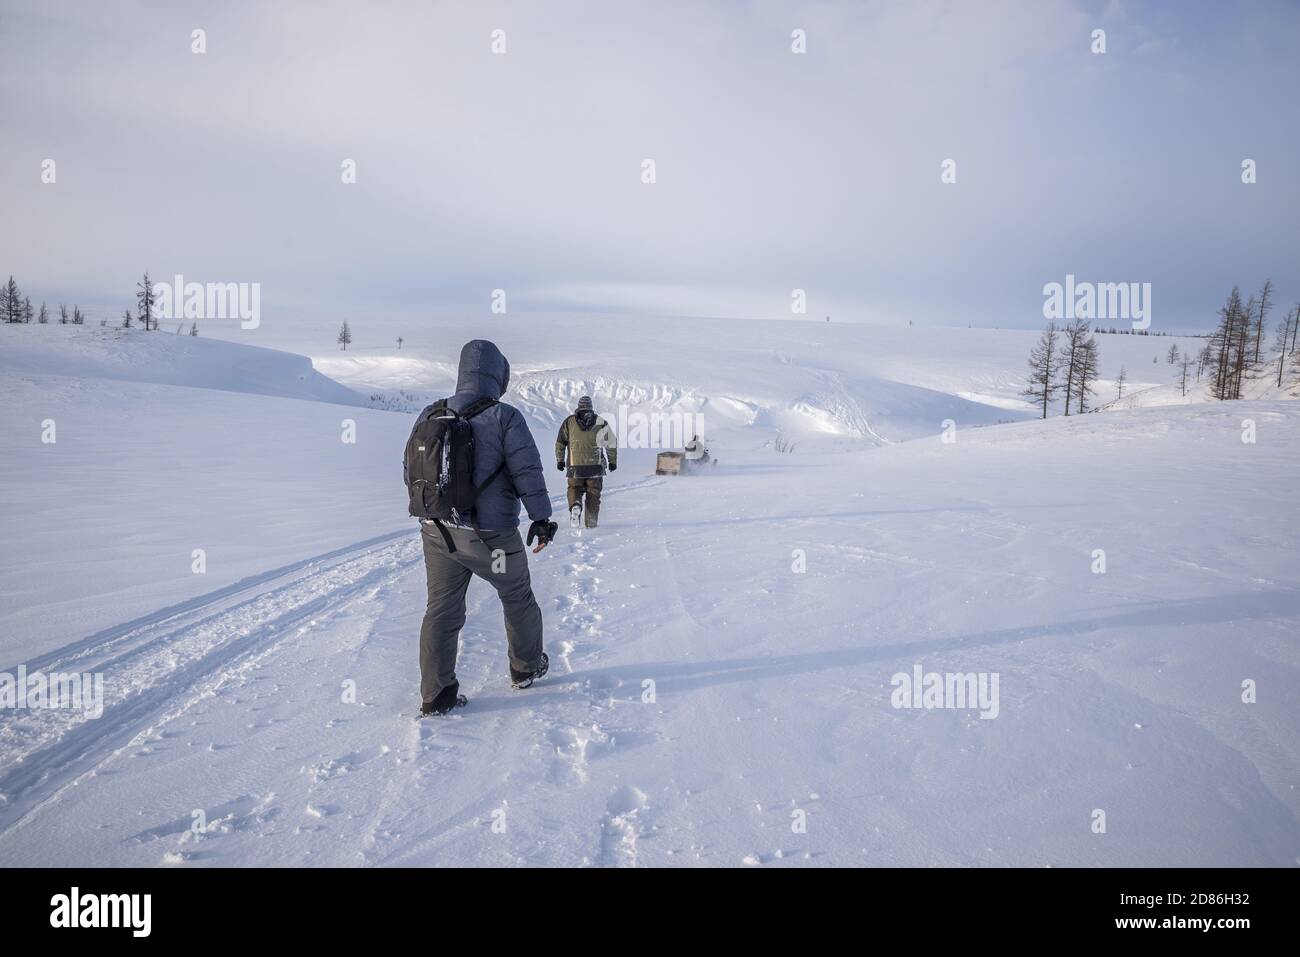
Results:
<point x="1128" y="331"/>
<point x="17" y="308"/>
<point x="1064" y="360"/>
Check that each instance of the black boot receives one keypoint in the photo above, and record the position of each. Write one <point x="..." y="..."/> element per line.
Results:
<point x="523" y="679"/>
<point x="448" y="698"/>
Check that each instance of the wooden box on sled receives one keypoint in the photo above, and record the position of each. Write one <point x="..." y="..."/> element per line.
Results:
<point x="669" y="463"/>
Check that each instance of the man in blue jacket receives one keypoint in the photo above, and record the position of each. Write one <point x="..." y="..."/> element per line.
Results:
<point x="489" y="547"/>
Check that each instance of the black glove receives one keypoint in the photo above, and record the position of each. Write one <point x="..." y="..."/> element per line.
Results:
<point x="560" y="466"/>
<point x="541" y="530"/>
<point x="613" y="467"/>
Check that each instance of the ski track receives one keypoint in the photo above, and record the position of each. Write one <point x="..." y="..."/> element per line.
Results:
<point x="74" y="654"/>
<point x="157" y="668"/>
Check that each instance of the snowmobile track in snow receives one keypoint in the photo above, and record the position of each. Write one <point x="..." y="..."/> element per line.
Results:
<point x="155" y="667"/>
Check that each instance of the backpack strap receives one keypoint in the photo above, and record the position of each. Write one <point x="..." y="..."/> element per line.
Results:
<point x="446" y="536"/>
<point x="478" y="405"/>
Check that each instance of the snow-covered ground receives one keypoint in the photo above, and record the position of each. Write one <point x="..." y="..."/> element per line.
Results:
<point x="723" y="646"/>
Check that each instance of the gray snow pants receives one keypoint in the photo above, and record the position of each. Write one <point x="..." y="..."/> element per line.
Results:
<point x="500" y="560"/>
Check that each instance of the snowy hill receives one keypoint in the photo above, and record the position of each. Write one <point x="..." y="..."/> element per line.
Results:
<point x="162" y="358"/>
<point x="818" y="384"/>
<point x="724" y="648"/>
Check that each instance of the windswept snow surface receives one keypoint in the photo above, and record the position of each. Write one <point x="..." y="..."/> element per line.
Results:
<point x="706" y="697"/>
<point x="103" y="523"/>
<point x="133" y="355"/>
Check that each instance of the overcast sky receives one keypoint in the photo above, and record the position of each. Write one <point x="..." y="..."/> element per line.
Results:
<point x="775" y="170"/>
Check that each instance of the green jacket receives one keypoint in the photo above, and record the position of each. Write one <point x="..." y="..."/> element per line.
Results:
<point x="588" y="448"/>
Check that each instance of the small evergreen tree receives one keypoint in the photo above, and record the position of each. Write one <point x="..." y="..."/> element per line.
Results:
<point x="11" y="302"/>
<point x="345" y="337"/>
<point x="1086" y="375"/>
<point x="1076" y="336"/>
<point x="1184" y="365"/>
<point x="1261" y="315"/>
<point x="1043" y="375"/>
<point x="43" y="316"/>
<point x="1284" y="333"/>
<point x="145" y="303"/>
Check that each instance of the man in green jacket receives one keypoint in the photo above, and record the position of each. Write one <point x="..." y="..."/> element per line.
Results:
<point x="590" y="443"/>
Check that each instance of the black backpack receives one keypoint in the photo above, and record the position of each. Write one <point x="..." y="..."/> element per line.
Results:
<point x="440" y="463"/>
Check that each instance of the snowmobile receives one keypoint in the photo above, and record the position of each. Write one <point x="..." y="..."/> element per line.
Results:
<point x="693" y="459"/>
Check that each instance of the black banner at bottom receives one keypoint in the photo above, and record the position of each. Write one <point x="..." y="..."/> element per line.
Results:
<point x="212" y="906"/>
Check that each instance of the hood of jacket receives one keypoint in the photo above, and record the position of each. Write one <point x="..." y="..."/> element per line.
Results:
<point x="483" y="370"/>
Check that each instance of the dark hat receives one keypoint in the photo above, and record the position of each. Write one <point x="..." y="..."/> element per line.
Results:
<point x="584" y="403"/>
